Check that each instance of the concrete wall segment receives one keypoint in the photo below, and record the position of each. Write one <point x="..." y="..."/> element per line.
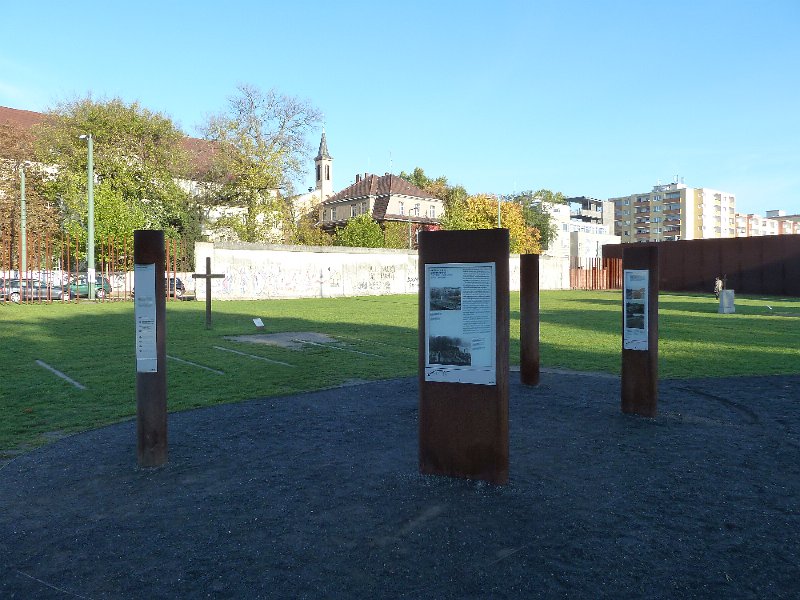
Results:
<point x="257" y="272"/>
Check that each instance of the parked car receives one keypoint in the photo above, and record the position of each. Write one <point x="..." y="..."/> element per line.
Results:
<point x="32" y="289"/>
<point x="79" y="286"/>
<point x="174" y="287"/>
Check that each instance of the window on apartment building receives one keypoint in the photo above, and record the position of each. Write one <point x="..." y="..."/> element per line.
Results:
<point x="626" y="202"/>
<point x="402" y="209"/>
<point x="625" y="213"/>
<point x="416" y="209"/>
<point x="352" y="210"/>
<point x="333" y="214"/>
<point x="363" y="208"/>
<point x="656" y="219"/>
<point x="657" y="208"/>
<point x="432" y="211"/>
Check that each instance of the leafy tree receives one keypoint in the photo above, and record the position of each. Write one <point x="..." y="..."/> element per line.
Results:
<point x="534" y="208"/>
<point x="360" y="232"/>
<point x="138" y="159"/>
<point x="260" y="142"/>
<point x="438" y="188"/>
<point x="16" y="154"/>
<point x="396" y="235"/>
<point x="480" y="212"/>
<point x="306" y="232"/>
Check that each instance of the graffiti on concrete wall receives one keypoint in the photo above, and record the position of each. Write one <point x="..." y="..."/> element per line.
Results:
<point x="273" y="273"/>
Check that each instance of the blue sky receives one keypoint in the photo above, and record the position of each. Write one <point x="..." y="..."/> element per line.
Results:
<point x="598" y="98"/>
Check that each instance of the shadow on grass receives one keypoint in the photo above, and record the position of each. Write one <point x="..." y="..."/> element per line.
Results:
<point x="377" y="337"/>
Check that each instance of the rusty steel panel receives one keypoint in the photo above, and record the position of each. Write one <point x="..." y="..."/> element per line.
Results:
<point x="151" y="388"/>
<point x="639" y="385"/>
<point x="790" y="250"/>
<point x="773" y="271"/>
<point x="529" y="359"/>
<point x="463" y="428"/>
<point x="731" y="265"/>
<point x="752" y="265"/>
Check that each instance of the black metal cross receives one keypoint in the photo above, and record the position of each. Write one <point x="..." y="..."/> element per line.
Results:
<point x="208" y="276"/>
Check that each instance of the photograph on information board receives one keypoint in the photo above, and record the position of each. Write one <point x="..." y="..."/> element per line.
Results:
<point x="460" y="323"/>
<point x="634" y="336"/>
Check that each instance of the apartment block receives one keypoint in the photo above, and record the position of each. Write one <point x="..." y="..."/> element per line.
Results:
<point x="777" y="222"/>
<point x="582" y="230"/>
<point x="675" y="212"/>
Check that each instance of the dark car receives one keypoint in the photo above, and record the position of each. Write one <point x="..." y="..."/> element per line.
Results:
<point x="32" y="289"/>
<point x="79" y="286"/>
<point x="174" y="287"/>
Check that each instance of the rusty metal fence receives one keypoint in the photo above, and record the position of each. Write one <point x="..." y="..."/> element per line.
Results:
<point x="595" y="273"/>
<point x="750" y="265"/>
<point x="57" y="264"/>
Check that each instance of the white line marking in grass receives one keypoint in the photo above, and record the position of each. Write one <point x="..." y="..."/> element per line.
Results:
<point x="269" y="360"/>
<point x="188" y="362"/>
<point x="41" y="363"/>
<point x="337" y="348"/>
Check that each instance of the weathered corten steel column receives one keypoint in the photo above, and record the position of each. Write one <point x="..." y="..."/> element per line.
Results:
<point x="463" y="427"/>
<point x="639" y="385"/>
<point x="151" y="376"/>
<point x="529" y="318"/>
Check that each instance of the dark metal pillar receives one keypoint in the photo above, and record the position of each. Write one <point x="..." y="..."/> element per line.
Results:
<point x="529" y="318"/>
<point x="151" y="386"/>
<point x="640" y="366"/>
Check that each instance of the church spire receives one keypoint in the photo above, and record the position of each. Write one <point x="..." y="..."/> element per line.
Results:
<point x="323" y="149"/>
<point x="324" y="168"/>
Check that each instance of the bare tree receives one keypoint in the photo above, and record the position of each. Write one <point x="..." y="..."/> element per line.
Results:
<point x="261" y="145"/>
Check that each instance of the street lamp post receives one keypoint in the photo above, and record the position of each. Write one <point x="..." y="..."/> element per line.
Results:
<point x="90" y="273"/>
<point x="23" y="267"/>
<point x="499" y="224"/>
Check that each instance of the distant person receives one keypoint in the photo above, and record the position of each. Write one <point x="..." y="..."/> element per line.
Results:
<point x="717" y="287"/>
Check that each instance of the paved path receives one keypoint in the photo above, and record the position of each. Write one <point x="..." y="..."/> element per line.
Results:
<point x="318" y="496"/>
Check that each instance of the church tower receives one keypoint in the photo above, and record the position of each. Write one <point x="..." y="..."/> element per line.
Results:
<point x="324" y="168"/>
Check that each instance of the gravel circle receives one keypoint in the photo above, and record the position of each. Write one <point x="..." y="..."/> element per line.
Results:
<point x="318" y="495"/>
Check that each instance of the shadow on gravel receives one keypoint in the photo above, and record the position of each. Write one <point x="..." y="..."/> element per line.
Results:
<point x="318" y="495"/>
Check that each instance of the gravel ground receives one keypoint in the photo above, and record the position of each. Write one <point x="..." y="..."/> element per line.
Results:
<point x="319" y="496"/>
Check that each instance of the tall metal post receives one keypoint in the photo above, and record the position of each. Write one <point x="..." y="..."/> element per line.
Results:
<point x="639" y="383"/>
<point x="529" y="356"/>
<point x="90" y="273"/>
<point x="23" y="263"/>
<point x="151" y="347"/>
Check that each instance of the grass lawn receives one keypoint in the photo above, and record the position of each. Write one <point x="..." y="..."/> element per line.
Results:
<point x="93" y="343"/>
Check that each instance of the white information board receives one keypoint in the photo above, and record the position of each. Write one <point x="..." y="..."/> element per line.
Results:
<point x="460" y="322"/>
<point x="635" y="296"/>
<point x="145" y="318"/>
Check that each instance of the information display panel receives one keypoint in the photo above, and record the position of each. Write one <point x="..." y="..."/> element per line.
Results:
<point x="145" y="317"/>
<point x="463" y="353"/>
<point x="635" y="331"/>
<point x="460" y="323"/>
